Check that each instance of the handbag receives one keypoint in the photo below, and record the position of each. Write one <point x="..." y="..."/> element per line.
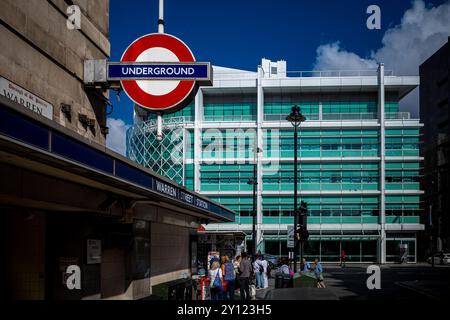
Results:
<point x="252" y="291"/>
<point x="217" y="283"/>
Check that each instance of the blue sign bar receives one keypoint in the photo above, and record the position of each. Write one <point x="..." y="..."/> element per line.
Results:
<point x="179" y="194"/>
<point x="156" y="71"/>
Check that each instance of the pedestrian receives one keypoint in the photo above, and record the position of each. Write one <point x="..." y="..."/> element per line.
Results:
<point x="284" y="268"/>
<point x="343" y="258"/>
<point x="229" y="275"/>
<point x="265" y="277"/>
<point x="318" y="270"/>
<point x="258" y="270"/>
<point x="245" y="268"/>
<point x="236" y="263"/>
<point x="286" y="273"/>
<point x="306" y="266"/>
<point x="215" y="279"/>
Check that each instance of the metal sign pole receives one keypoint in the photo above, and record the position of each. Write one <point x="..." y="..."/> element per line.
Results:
<point x="161" y="17"/>
<point x="159" y="134"/>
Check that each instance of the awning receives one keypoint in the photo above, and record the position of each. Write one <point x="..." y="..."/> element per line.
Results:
<point x="36" y="143"/>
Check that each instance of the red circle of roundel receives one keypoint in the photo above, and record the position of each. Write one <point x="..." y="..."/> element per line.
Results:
<point x="177" y="95"/>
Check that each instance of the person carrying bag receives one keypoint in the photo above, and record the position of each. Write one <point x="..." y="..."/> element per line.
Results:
<point x="216" y="278"/>
<point x="229" y="281"/>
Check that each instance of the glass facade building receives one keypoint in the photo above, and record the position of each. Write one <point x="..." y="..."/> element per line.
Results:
<point x="359" y="159"/>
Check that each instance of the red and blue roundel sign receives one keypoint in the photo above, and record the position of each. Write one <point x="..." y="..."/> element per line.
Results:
<point x="159" y="72"/>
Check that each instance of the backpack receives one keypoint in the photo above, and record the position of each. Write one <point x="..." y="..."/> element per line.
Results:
<point x="229" y="271"/>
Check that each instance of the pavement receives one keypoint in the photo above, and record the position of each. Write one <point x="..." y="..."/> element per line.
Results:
<point x="301" y="294"/>
<point x="432" y="289"/>
<point x="260" y="293"/>
<point x="398" y="282"/>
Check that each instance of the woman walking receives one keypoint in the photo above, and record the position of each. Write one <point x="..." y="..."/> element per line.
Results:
<point x="258" y="270"/>
<point x="265" y="279"/>
<point x="229" y="275"/>
<point x="215" y="277"/>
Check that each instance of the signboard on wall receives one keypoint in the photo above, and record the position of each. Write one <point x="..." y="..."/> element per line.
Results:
<point x="25" y="98"/>
<point x="94" y="251"/>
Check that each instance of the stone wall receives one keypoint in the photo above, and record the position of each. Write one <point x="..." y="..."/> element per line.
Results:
<point x="40" y="54"/>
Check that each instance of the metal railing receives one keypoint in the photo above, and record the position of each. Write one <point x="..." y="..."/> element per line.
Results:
<point x="397" y="116"/>
<point x="282" y="117"/>
<point x="343" y="116"/>
<point x="151" y="123"/>
<point x="349" y="116"/>
<point x="338" y="73"/>
<point x="228" y="75"/>
<point x="236" y="118"/>
<point x="279" y="117"/>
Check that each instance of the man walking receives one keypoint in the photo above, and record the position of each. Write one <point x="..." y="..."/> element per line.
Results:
<point x="343" y="257"/>
<point x="318" y="270"/>
<point x="244" y="278"/>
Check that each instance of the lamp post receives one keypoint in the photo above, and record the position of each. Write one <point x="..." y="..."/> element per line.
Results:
<point x="295" y="118"/>
<point x="430" y="213"/>
<point x="254" y="183"/>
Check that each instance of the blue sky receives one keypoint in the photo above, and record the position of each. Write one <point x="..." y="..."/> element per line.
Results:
<point x="238" y="33"/>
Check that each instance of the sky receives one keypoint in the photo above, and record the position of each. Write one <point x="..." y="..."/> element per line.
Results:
<point x="309" y="35"/>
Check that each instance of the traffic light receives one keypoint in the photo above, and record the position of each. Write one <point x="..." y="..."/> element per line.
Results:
<point x="302" y="232"/>
<point x="303" y="207"/>
<point x="303" y="217"/>
<point x="303" y="221"/>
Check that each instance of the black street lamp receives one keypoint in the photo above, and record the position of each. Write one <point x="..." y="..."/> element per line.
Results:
<point x="254" y="183"/>
<point x="295" y="118"/>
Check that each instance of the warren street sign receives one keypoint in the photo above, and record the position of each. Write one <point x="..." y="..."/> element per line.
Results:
<point x="159" y="72"/>
<point x="25" y="98"/>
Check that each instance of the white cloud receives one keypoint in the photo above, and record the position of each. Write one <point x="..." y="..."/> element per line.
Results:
<point x="421" y="32"/>
<point x="333" y="57"/>
<point x="116" y="139"/>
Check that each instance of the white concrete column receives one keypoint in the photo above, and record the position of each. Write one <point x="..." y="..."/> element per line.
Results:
<point x="198" y="114"/>
<point x="259" y="133"/>
<point x="382" y="218"/>
<point x="320" y="111"/>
